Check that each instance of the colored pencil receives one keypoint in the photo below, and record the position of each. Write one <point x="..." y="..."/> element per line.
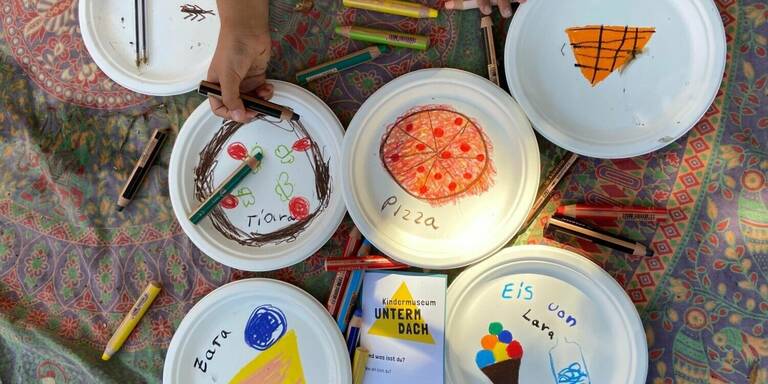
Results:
<point x="754" y="372"/>
<point x="394" y="7"/>
<point x="545" y="192"/>
<point x="249" y="165"/>
<point x="142" y="167"/>
<point x="358" y="365"/>
<point x="349" y="296"/>
<point x="144" y="59"/>
<point x="576" y="228"/>
<point x="366" y="263"/>
<point x="277" y="111"/>
<point x="486" y="24"/>
<point x="340" y="281"/>
<point x="131" y="319"/>
<point x="354" y="241"/>
<point x="345" y="62"/>
<point x="596" y="212"/>
<point x="378" y="36"/>
<point x="353" y="332"/>
<point x="136" y="32"/>
<point x="460" y="5"/>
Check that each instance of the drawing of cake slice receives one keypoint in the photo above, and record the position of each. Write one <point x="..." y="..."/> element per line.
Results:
<point x="280" y="364"/>
<point x="501" y="355"/>
<point x="601" y="49"/>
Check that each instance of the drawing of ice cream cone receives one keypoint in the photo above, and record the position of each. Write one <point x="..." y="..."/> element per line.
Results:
<point x="501" y="355"/>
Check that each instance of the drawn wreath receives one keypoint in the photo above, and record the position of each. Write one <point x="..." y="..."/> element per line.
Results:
<point x="204" y="187"/>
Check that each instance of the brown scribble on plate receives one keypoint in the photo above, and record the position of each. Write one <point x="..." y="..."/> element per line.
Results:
<point x="194" y="12"/>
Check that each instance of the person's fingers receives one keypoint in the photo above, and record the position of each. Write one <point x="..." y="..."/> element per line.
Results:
<point x="485" y="6"/>
<point x="218" y="108"/>
<point x="505" y="8"/>
<point x="265" y="91"/>
<point x="252" y="82"/>
<point x="520" y="1"/>
<point x="230" y="96"/>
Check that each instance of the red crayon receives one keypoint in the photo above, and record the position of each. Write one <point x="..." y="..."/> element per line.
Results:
<point x="371" y="262"/>
<point x="597" y="212"/>
<point x="341" y="280"/>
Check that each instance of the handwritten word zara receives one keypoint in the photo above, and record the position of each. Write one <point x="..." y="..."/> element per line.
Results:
<point x="521" y="291"/>
<point x="201" y="364"/>
<point x="417" y="217"/>
<point x="569" y="319"/>
<point x="542" y="326"/>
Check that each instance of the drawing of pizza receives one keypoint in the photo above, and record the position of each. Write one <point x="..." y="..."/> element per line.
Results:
<point x="438" y="155"/>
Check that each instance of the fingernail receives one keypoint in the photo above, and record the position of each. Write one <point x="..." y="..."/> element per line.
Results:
<point x="238" y="115"/>
<point x="506" y="13"/>
<point x="486" y="9"/>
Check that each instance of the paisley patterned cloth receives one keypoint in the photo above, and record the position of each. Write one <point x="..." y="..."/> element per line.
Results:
<point x="71" y="266"/>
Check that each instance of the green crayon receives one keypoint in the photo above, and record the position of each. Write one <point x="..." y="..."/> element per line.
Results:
<point x="378" y="36"/>
<point x="340" y="64"/>
<point x="249" y="165"/>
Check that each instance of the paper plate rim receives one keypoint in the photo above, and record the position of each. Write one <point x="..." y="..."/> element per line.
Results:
<point x="411" y="256"/>
<point x="290" y="256"/>
<point x="258" y="285"/>
<point x="542" y="125"/>
<point x="611" y="289"/>
<point x="136" y="84"/>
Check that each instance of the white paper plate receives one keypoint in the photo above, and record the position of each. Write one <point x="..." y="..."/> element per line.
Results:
<point x="657" y="98"/>
<point x="260" y="314"/>
<point x="601" y="325"/>
<point x="266" y="208"/>
<point x="179" y="50"/>
<point x="483" y="210"/>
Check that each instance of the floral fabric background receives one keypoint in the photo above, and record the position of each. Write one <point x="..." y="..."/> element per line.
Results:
<point x="71" y="266"/>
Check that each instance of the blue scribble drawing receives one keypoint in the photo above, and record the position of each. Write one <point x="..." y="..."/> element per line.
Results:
<point x="572" y="374"/>
<point x="567" y="363"/>
<point x="265" y="327"/>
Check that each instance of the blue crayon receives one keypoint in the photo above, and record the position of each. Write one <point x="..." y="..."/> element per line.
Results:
<point x="349" y="297"/>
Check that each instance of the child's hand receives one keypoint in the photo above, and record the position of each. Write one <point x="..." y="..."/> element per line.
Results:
<point x="505" y="6"/>
<point x="240" y="61"/>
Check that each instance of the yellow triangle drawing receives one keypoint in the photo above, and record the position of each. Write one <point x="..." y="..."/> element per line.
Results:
<point x="280" y="364"/>
<point x="401" y="319"/>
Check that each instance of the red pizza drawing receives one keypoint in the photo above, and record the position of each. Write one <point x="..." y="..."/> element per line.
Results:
<point x="438" y="155"/>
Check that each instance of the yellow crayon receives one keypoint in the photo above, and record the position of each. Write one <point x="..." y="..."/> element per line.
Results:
<point x="394" y="7"/>
<point x="358" y="365"/>
<point x="131" y="319"/>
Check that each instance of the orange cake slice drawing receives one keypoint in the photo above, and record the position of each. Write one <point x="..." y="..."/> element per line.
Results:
<point x="602" y="49"/>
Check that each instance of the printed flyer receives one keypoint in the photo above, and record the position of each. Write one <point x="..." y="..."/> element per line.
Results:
<point x="404" y="327"/>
